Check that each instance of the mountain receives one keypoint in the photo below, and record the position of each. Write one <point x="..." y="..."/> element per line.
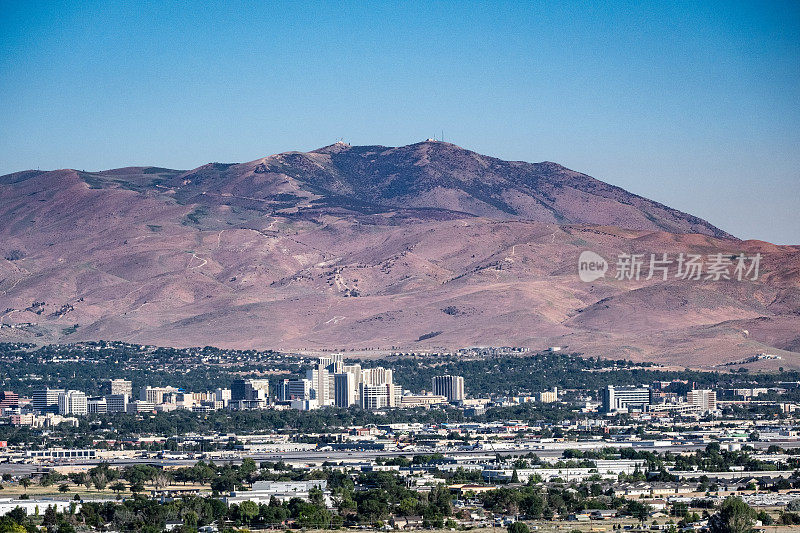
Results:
<point x="423" y="246"/>
<point x="429" y="176"/>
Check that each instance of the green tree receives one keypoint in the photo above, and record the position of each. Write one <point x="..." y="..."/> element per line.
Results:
<point x="316" y="497"/>
<point x="637" y="510"/>
<point x="99" y="480"/>
<point x="8" y="526"/>
<point x="519" y="527"/>
<point x="247" y="468"/>
<point x="248" y="511"/>
<point x="50" y="516"/>
<point x="765" y="518"/>
<point x="733" y="516"/>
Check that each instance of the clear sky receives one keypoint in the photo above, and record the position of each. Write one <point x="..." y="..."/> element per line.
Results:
<point x="693" y="104"/>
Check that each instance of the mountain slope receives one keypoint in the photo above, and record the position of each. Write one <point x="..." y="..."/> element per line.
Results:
<point x="422" y="246"/>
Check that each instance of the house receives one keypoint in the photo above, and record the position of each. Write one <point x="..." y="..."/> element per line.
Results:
<point x="464" y="488"/>
<point x="406" y="522"/>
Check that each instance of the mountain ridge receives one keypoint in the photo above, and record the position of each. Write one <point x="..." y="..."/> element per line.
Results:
<point x="426" y="175"/>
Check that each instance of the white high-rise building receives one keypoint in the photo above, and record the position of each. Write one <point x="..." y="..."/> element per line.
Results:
<point x="72" y="402"/>
<point x="222" y="395"/>
<point x="332" y="382"/>
<point x="451" y="387"/>
<point x="322" y="378"/>
<point x="256" y="389"/>
<point x="704" y="400"/>
<point x="318" y="377"/>
<point x="155" y="395"/>
<point x="624" y="398"/>
<point x="119" y="386"/>
<point x="377" y="390"/>
<point x="377" y="396"/>
<point x="353" y="369"/>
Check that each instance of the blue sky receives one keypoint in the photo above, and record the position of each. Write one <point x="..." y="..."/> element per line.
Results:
<point x="693" y="104"/>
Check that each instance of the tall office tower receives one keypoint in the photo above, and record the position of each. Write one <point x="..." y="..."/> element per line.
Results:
<point x="451" y="387"/>
<point x="345" y="389"/>
<point x="705" y="400"/>
<point x="157" y="395"/>
<point x="256" y="389"/>
<point x="238" y="390"/>
<point x="46" y="400"/>
<point x="319" y="383"/>
<point x="321" y="376"/>
<point x="72" y="402"/>
<point x="297" y="389"/>
<point x="117" y="403"/>
<point x="355" y="370"/>
<point x="118" y="386"/>
<point x="377" y="396"/>
<point x="376" y="389"/>
<point x="328" y="366"/>
<point x="334" y="363"/>
<point x="623" y="398"/>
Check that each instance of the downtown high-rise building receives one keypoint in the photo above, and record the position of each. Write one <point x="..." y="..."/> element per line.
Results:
<point x="118" y="386"/>
<point x="345" y="389"/>
<point x="704" y="400"/>
<point x="256" y="389"/>
<point x="117" y="403"/>
<point x="72" y="402"/>
<point x="249" y="394"/>
<point x="322" y="378"/>
<point x="46" y="400"/>
<point x="296" y="389"/>
<point x="158" y="395"/>
<point x="625" y="398"/>
<point x="377" y="396"/>
<point x="451" y="387"/>
<point x="97" y="405"/>
<point x="377" y="389"/>
<point x="331" y="382"/>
